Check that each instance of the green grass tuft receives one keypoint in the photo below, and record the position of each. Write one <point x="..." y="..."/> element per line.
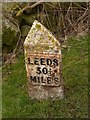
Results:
<point x="17" y="104"/>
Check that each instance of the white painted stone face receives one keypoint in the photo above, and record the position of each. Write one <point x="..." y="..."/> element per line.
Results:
<point x="43" y="63"/>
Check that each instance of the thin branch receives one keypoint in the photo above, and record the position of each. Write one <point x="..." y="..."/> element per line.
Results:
<point x="10" y="18"/>
<point x="28" y="7"/>
<point x="81" y="17"/>
<point x="48" y="19"/>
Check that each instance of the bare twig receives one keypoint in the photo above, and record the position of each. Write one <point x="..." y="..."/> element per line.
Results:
<point x="81" y="17"/>
<point x="28" y="7"/>
<point x="68" y="11"/>
<point x="10" y="19"/>
<point x="48" y="19"/>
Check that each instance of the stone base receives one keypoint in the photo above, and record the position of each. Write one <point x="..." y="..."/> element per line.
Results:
<point x="45" y="92"/>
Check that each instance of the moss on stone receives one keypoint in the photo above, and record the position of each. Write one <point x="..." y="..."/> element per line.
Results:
<point x="26" y="47"/>
<point x="42" y="39"/>
<point x="53" y="41"/>
<point x="33" y="29"/>
<point x="46" y="47"/>
<point x="38" y="26"/>
<point x="49" y="37"/>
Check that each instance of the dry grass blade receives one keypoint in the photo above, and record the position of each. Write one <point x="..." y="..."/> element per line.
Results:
<point x="63" y="20"/>
<point x="79" y="6"/>
<point x="82" y="17"/>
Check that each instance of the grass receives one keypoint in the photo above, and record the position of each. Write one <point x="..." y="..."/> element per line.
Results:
<point x="17" y="103"/>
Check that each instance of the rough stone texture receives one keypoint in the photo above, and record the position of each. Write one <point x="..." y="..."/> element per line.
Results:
<point x="43" y="63"/>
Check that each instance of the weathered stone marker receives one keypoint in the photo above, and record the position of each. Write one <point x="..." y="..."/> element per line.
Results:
<point x="43" y="63"/>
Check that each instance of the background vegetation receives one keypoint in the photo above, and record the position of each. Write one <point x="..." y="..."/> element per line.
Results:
<point x="69" y="24"/>
<point x="63" y="19"/>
